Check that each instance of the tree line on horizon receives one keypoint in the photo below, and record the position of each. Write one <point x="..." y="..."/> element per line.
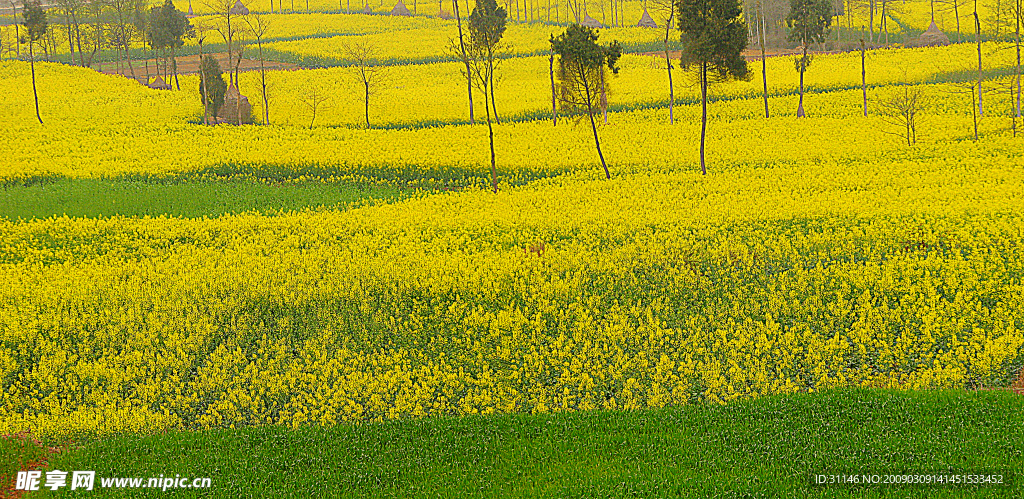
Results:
<point x="713" y="35"/>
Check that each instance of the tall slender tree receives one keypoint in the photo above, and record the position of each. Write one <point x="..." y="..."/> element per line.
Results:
<point x="863" y="77"/>
<point x="977" y="36"/>
<point x="714" y="36"/>
<point x="668" y="9"/>
<point x="258" y="25"/>
<point x="764" y="59"/>
<point x="487" y="25"/>
<point x="809" y="22"/>
<point x="364" y="57"/>
<point x="1018" y="14"/>
<point x="464" y="56"/>
<point x="581" y="67"/>
<point x="34" y="19"/>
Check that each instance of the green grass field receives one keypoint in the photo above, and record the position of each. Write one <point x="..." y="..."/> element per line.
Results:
<point x="767" y="447"/>
<point x="189" y="198"/>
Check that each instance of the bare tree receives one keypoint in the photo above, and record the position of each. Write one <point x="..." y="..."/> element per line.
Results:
<point x="72" y="9"/>
<point x="123" y="30"/>
<point x="224" y="12"/>
<point x="967" y="88"/>
<point x="863" y="77"/>
<point x="258" y="25"/>
<point x="364" y="57"/>
<point x="1018" y="15"/>
<point x="902" y="111"/>
<point x="954" y="7"/>
<point x="666" y="9"/>
<point x="315" y="97"/>
<point x="764" y="58"/>
<point x="977" y="32"/>
<point x="17" y="29"/>
<point x="464" y="57"/>
<point x="1008" y="86"/>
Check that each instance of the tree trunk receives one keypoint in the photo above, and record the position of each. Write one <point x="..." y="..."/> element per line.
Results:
<point x="202" y="83"/>
<point x="366" y="102"/>
<point x="863" y="78"/>
<point x="490" y="76"/>
<point x="238" y="87"/>
<point x="35" y="94"/>
<point x="71" y="41"/>
<point x="554" y="106"/>
<point x="1016" y="74"/>
<point x="263" y="85"/>
<point x="803" y="67"/>
<point x="128" y="58"/>
<point x="668" y="66"/>
<point x="174" y="64"/>
<point x="764" y="60"/>
<point x="871" y="21"/>
<point x="974" y="115"/>
<point x="604" y="98"/>
<point x="490" y="137"/>
<point x="884" y="22"/>
<point x="703" y="113"/>
<point x="956" y="13"/>
<point x="465" y="59"/>
<point x="593" y="124"/>
<point x="977" y="30"/>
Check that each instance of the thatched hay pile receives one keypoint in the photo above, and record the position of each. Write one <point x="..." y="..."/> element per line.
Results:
<point x="401" y="10"/>
<point x="590" y="22"/>
<point x="646" y="21"/>
<point x="236" y="107"/>
<point x="158" y="84"/>
<point x="932" y="37"/>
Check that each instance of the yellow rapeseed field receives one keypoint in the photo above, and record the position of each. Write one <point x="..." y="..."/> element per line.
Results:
<point x="818" y="252"/>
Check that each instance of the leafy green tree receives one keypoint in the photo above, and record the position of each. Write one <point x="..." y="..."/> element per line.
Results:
<point x="35" y="27"/>
<point x="809" y="22"/>
<point x="713" y="36"/>
<point x="486" y="25"/>
<point x="166" y="31"/>
<point x="582" y="64"/>
<point x="211" y="85"/>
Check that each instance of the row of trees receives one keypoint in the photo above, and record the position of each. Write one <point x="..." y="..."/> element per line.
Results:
<point x="88" y="27"/>
<point x="713" y="35"/>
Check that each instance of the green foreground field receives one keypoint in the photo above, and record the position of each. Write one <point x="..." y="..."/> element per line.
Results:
<point x="767" y="447"/>
<point x="184" y="198"/>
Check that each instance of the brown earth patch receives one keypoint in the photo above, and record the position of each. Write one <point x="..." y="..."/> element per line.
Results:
<point x="748" y="54"/>
<point x="188" y="64"/>
<point x="7" y="483"/>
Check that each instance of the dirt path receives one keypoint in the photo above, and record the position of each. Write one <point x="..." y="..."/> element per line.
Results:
<point x="189" y="64"/>
<point x="748" y="54"/>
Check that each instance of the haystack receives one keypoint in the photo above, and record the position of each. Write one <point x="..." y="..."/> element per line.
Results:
<point x="190" y="14"/>
<point x="238" y="9"/>
<point x="590" y="22"/>
<point x="400" y="10"/>
<point x="367" y="9"/>
<point x="444" y="14"/>
<point x="933" y="36"/>
<point x="158" y="84"/>
<point x="234" y="102"/>
<point x="646" y="21"/>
